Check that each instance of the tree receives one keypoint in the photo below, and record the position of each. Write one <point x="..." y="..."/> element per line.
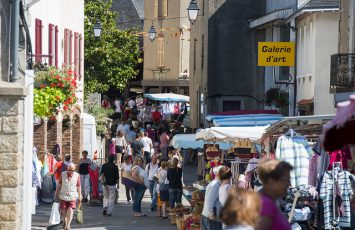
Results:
<point x="111" y="60"/>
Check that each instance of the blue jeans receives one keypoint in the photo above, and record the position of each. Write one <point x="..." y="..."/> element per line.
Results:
<point x="207" y="224"/>
<point x="138" y="197"/>
<point x="153" y="193"/>
<point x="174" y="197"/>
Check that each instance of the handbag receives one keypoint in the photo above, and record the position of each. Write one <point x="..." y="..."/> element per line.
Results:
<point x="79" y="216"/>
<point x="128" y="180"/>
<point x="55" y="215"/>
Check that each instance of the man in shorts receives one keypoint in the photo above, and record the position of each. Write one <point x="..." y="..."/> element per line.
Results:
<point x="69" y="190"/>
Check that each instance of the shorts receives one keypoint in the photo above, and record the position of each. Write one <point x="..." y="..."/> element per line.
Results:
<point x="67" y="204"/>
<point x="164" y="195"/>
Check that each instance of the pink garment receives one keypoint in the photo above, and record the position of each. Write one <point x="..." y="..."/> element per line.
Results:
<point x="94" y="177"/>
<point x="342" y="156"/>
<point x="269" y="209"/>
<point x="164" y="140"/>
<point x="112" y="148"/>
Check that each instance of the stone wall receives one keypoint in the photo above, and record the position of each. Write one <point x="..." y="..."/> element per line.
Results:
<point x="11" y="160"/>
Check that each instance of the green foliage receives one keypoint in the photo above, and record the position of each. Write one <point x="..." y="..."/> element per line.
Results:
<point x="111" y="60"/>
<point x="278" y="98"/>
<point x="101" y="116"/>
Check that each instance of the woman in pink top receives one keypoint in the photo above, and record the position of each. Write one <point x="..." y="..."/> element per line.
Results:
<point x="164" y="144"/>
<point x="275" y="176"/>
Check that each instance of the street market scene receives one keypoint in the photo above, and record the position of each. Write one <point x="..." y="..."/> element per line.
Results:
<point x="177" y="114"/>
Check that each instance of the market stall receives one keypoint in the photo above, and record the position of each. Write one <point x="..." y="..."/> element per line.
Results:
<point x="186" y="141"/>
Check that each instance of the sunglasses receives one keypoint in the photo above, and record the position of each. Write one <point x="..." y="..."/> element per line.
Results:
<point x="71" y="170"/>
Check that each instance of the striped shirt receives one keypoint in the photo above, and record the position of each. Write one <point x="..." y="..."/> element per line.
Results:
<point x="326" y="194"/>
<point x="297" y="152"/>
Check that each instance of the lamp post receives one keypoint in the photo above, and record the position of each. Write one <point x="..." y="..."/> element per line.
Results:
<point x="152" y="33"/>
<point x="193" y="11"/>
<point x="97" y="29"/>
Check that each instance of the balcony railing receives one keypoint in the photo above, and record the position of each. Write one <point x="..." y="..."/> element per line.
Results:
<point x="342" y="73"/>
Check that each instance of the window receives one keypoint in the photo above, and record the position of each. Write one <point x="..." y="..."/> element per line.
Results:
<point x="231" y="106"/>
<point x="284" y="71"/>
<point x="38" y="40"/>
<point x="160" y="8"/>
<point x="53" y="45"/>
<point x="160" y="51"/>
<point x="195" y="43"/>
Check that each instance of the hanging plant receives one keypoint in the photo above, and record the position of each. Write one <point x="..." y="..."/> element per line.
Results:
<point x="54" y="91"/>
<point x="276" y="97"/>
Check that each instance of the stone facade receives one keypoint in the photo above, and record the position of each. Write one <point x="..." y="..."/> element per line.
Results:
<point x="11" y="159"/>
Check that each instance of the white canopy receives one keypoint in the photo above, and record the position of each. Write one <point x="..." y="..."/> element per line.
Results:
<point x="230" y="134"/>
<point x="189" y="141"/>
<point x="167" y="97"/>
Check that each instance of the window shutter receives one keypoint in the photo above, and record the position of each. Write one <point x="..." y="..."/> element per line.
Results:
<point x="38" y="39"/>
<point x="65" y="46"/>
<point x="50" y="43"/>
<point x="80" y="56"/>
<point x="76" y="53"/>
<point x="70" y="49"/>
<point x="161" y="52"/>
<point x="165" y="13"/>
<point x="56" y="47"/>
<point x="156" y="7"/>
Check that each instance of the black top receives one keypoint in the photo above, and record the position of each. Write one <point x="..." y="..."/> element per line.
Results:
<point x="175" y="178"/>
<point x="84" y="168"/>
<point x="110" y="172"/>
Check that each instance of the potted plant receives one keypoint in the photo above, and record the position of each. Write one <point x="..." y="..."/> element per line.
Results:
<point x="278" y="98"/>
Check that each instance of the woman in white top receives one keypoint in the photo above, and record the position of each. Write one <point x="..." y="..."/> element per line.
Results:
<point x="225" y="175"/>
<point x="141" y="177"/>
<point x="125" y="169"/>
<point x="163" y="188"/>
<point x="121" y="146"/>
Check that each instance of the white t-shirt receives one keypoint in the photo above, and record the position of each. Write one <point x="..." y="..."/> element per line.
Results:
<point x="153" y="169"/>
<point x="118" y="106"/>
<point x="222" y="193"/>
<point x="126" y="167"/>
<point x="147" y="142"/>
<point x="131" y="104"/>
<point x="120" y="141"/>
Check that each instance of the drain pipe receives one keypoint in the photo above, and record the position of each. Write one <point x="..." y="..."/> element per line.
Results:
<point x="15" y="21"/>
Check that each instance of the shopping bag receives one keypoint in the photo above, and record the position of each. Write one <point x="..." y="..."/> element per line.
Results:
<point x="55" y="215"/>
<point x="79" y="216"/>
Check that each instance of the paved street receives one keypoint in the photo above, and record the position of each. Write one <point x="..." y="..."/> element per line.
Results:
<point x="122" y="217"/>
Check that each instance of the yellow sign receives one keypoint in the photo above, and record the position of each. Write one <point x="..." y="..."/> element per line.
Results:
<point x="276" y="54"/>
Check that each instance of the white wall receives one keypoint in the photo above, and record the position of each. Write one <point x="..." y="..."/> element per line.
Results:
<point x="66" y="14"/>
<point x="317" y="39"/>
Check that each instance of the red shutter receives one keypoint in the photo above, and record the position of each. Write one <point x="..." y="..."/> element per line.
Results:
<point x="65" y="61"/>
<point x="76" y="61"/>
<point x="50" y="43"/>
<point x="56" y="47"/>
<point x="38" y="39"/>
<point x="80" y="55"/>
<point x="70" y="48"/>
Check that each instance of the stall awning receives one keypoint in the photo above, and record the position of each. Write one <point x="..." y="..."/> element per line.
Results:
<point x="189" y="141"/>
<point x="167" y="97"/>
<point x="231" y="134"/>
<point x="245" y="121"/>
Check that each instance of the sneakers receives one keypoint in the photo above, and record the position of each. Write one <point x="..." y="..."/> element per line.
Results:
<point x="104" y="212"/>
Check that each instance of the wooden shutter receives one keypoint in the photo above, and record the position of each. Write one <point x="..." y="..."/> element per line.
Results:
<point x="165" y="8"/>
<point x="65" y="61"/>
<point x="156" y="7"/>
<point x="56" y="47"/>
<point x="161" y="52"/>
<point x="80" y="56"/>
<point x="70" y="48"/>
<point x="76" y="52"/>
<point x="50" y="43"/>
<point x="38" y="40"/>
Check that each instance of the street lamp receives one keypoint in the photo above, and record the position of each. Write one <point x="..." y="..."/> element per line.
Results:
<point x="152" y="33"/>
<point x="193" y="11"/>
<point x="97" y="29"/>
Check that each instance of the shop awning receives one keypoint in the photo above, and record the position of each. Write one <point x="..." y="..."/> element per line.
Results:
<point x="189" y="141"/>
<point x="305" y="101"/>
<point x="340" y="131"/>
<point x="167" y="97"/>
<point x="231" y="134"/>
<point x="247" y="120"/>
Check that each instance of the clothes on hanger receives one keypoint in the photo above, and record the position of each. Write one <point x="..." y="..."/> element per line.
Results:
<point x="342" y="155"/>
<point x="343" y="193"/>
<point x="297" y="152"/>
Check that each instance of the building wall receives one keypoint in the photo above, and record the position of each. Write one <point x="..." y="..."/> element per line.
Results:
<point x="232" y="71"/>
<point x="169" y="29"/>
<point x="313" y="59"/>
<point x="65" y="14"/>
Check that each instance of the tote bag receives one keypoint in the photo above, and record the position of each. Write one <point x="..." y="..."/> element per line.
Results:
<point x="55" y="215"/>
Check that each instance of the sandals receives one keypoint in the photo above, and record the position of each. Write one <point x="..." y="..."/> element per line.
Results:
<point x="140" y="215"/>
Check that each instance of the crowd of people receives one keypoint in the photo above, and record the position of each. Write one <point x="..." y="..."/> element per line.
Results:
<point x="139" y="156"/>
